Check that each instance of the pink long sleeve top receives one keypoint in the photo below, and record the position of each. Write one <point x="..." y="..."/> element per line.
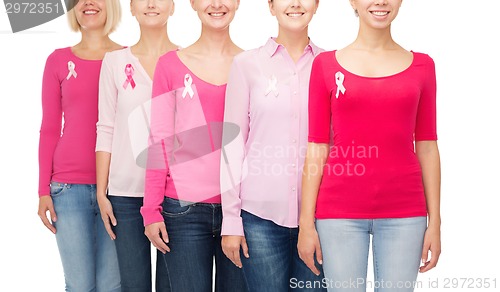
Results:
<point x="266" y="101"/>
<point x="372" y="170"/>
<point x="186" y="124"/>
<point x="68" y="130"/>
<point x="122" y="130"/>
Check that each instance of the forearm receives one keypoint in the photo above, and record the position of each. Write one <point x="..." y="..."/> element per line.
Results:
<point x="103" y="160"/>
<point x="428" y="156"/>
<point x="311" y="179"/>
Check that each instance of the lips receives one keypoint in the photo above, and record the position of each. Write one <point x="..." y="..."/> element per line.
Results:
<point x="379" y="13"/>
<point x="90" y="12"/>
<point x="295" y="14"/>
<point x="217" y="14"/>
<point x="152" y="14"/>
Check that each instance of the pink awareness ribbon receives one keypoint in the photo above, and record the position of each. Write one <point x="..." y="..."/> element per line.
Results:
<point x="129" y="71"/>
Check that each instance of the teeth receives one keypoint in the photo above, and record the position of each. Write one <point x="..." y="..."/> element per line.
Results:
<point x="380" y="13"/>
<point x="152" y="14"/>
<point x="217" y="14"/>
<point x="90" y="12"/>
<point x="294" y="14"/>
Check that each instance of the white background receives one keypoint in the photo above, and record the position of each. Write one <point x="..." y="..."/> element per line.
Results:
<point x="461" y="36"/>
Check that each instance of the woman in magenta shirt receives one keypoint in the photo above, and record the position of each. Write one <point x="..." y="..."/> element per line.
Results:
<point x="265" y="138"/>
<point x="182" y="211"/>
<point x="67" y="181"/>
<point x="125" y="87"/>
<point x="376" y="103"/>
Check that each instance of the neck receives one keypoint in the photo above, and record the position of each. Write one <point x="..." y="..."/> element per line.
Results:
<point x="153" y="41"/>
<point x="294" y="42"/>
<point x="95" y="40"/>
<point x="214" y="42"/>
<point x="374" y="39"/>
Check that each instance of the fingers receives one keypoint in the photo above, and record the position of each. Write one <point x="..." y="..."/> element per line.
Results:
<point x="319" y="254"/>
<point x="244" y="247"/>
<point x="155" y="232"/>
<point x="47" y="223"/>
<point x="429" y="265"/>
<point x="106" y="220"/>
<point x="45" y="205"/>
<point x="309" y="261"/>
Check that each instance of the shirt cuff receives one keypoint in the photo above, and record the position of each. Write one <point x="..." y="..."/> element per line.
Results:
<point x="232" y="226"/>
<point x="151" y="215"/>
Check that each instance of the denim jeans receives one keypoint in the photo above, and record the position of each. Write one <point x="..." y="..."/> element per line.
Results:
<point x="87" y="253"/>
<point x="274" y="264"/>
<point x="134" y="248"/>
<point x="397" y="249"/>
<point x="194" y="241"/>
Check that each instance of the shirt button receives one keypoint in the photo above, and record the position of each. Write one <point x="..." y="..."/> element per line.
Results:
<point x="294" y="141"/>
<point x="293" y="165"/>
<point x="295" y="92"/>
<point x="293" y="189"/>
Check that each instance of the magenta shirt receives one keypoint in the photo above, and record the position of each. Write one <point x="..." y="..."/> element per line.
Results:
<point x="266" y="101"/>
<point x="186" y="125"/>
<point x="372" y="170"/>
<point x="68" y="132"/>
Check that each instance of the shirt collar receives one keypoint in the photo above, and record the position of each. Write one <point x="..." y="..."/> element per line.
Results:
<point x="272" y="47"/>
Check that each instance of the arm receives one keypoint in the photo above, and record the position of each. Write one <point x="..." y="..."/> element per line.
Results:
<point x="108" y="95"/>
<point x="317" y="153"/>
<point x="428" y="155"/>
<point x="50" y="132"/>
<point x="235" y="114"/>
<point x="162" y="116"/>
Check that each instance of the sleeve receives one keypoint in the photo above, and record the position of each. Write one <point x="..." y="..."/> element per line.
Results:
<point x="235" y="135"/>
<point x="108" y="97"/>
<point x="425" y="128"/>
<point x="161" y="113"/>
<point x="50" y="130"/>
<point x="319" y="104"/>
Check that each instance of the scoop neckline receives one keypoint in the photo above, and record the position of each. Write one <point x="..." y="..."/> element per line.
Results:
<point x="192" y="74"/>
<point x="81" y="59"/>
<point x="376" y="77"/>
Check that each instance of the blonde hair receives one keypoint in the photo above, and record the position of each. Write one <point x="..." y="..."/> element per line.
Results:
<point x="113" y="16"/>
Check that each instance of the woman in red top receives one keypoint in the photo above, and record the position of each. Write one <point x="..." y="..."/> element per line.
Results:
<point x="376" y="103"/>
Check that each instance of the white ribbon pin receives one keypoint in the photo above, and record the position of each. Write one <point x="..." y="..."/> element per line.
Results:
<point x="272" y="86"/>
<point x="188" y="81"/>
<point x="71" y="69"/>
<point x="339" y="79"/>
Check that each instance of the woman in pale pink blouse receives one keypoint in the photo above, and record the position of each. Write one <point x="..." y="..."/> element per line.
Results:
<point x="125" y="90"/>
<point x="265" y="138"/>
<point x="182" y="210"/>
<point x="67" y="181"/>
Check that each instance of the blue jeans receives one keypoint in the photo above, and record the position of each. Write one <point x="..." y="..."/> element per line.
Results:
<point x="194" y="234"/>
<point x="87" y="253"/>
<point x="274" y="264"/>
<point x="397" y="249"/>
<point x="134" y="248"/>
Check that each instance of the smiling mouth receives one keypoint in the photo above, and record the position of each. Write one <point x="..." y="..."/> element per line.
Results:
<point x="379" y="13"/>
<point x="217" y="14"/>
<point x="152" y="14"/>
<point x="295" y="14"/>
<point x="90" y="12"/>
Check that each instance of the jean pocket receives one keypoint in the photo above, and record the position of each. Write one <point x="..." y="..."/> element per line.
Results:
<point x="57" y="189"/>
<point x="174" y="208"/>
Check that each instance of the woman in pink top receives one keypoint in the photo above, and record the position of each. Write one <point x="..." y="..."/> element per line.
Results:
<point x="182" y="211"/>
<point x="124" y="91"/>
<point x="67" y="182"/>
<point x="265" y="138"/>
<point x="376" y="102"/>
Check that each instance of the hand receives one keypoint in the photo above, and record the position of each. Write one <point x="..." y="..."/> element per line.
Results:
<point x="107" y="215"/>
<point x="308" y="245"/>
<point x="157" y="234"/>
<point x="432" y="243"/>
<point x="45" y="204"/>
<point x="231" y="247"/>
